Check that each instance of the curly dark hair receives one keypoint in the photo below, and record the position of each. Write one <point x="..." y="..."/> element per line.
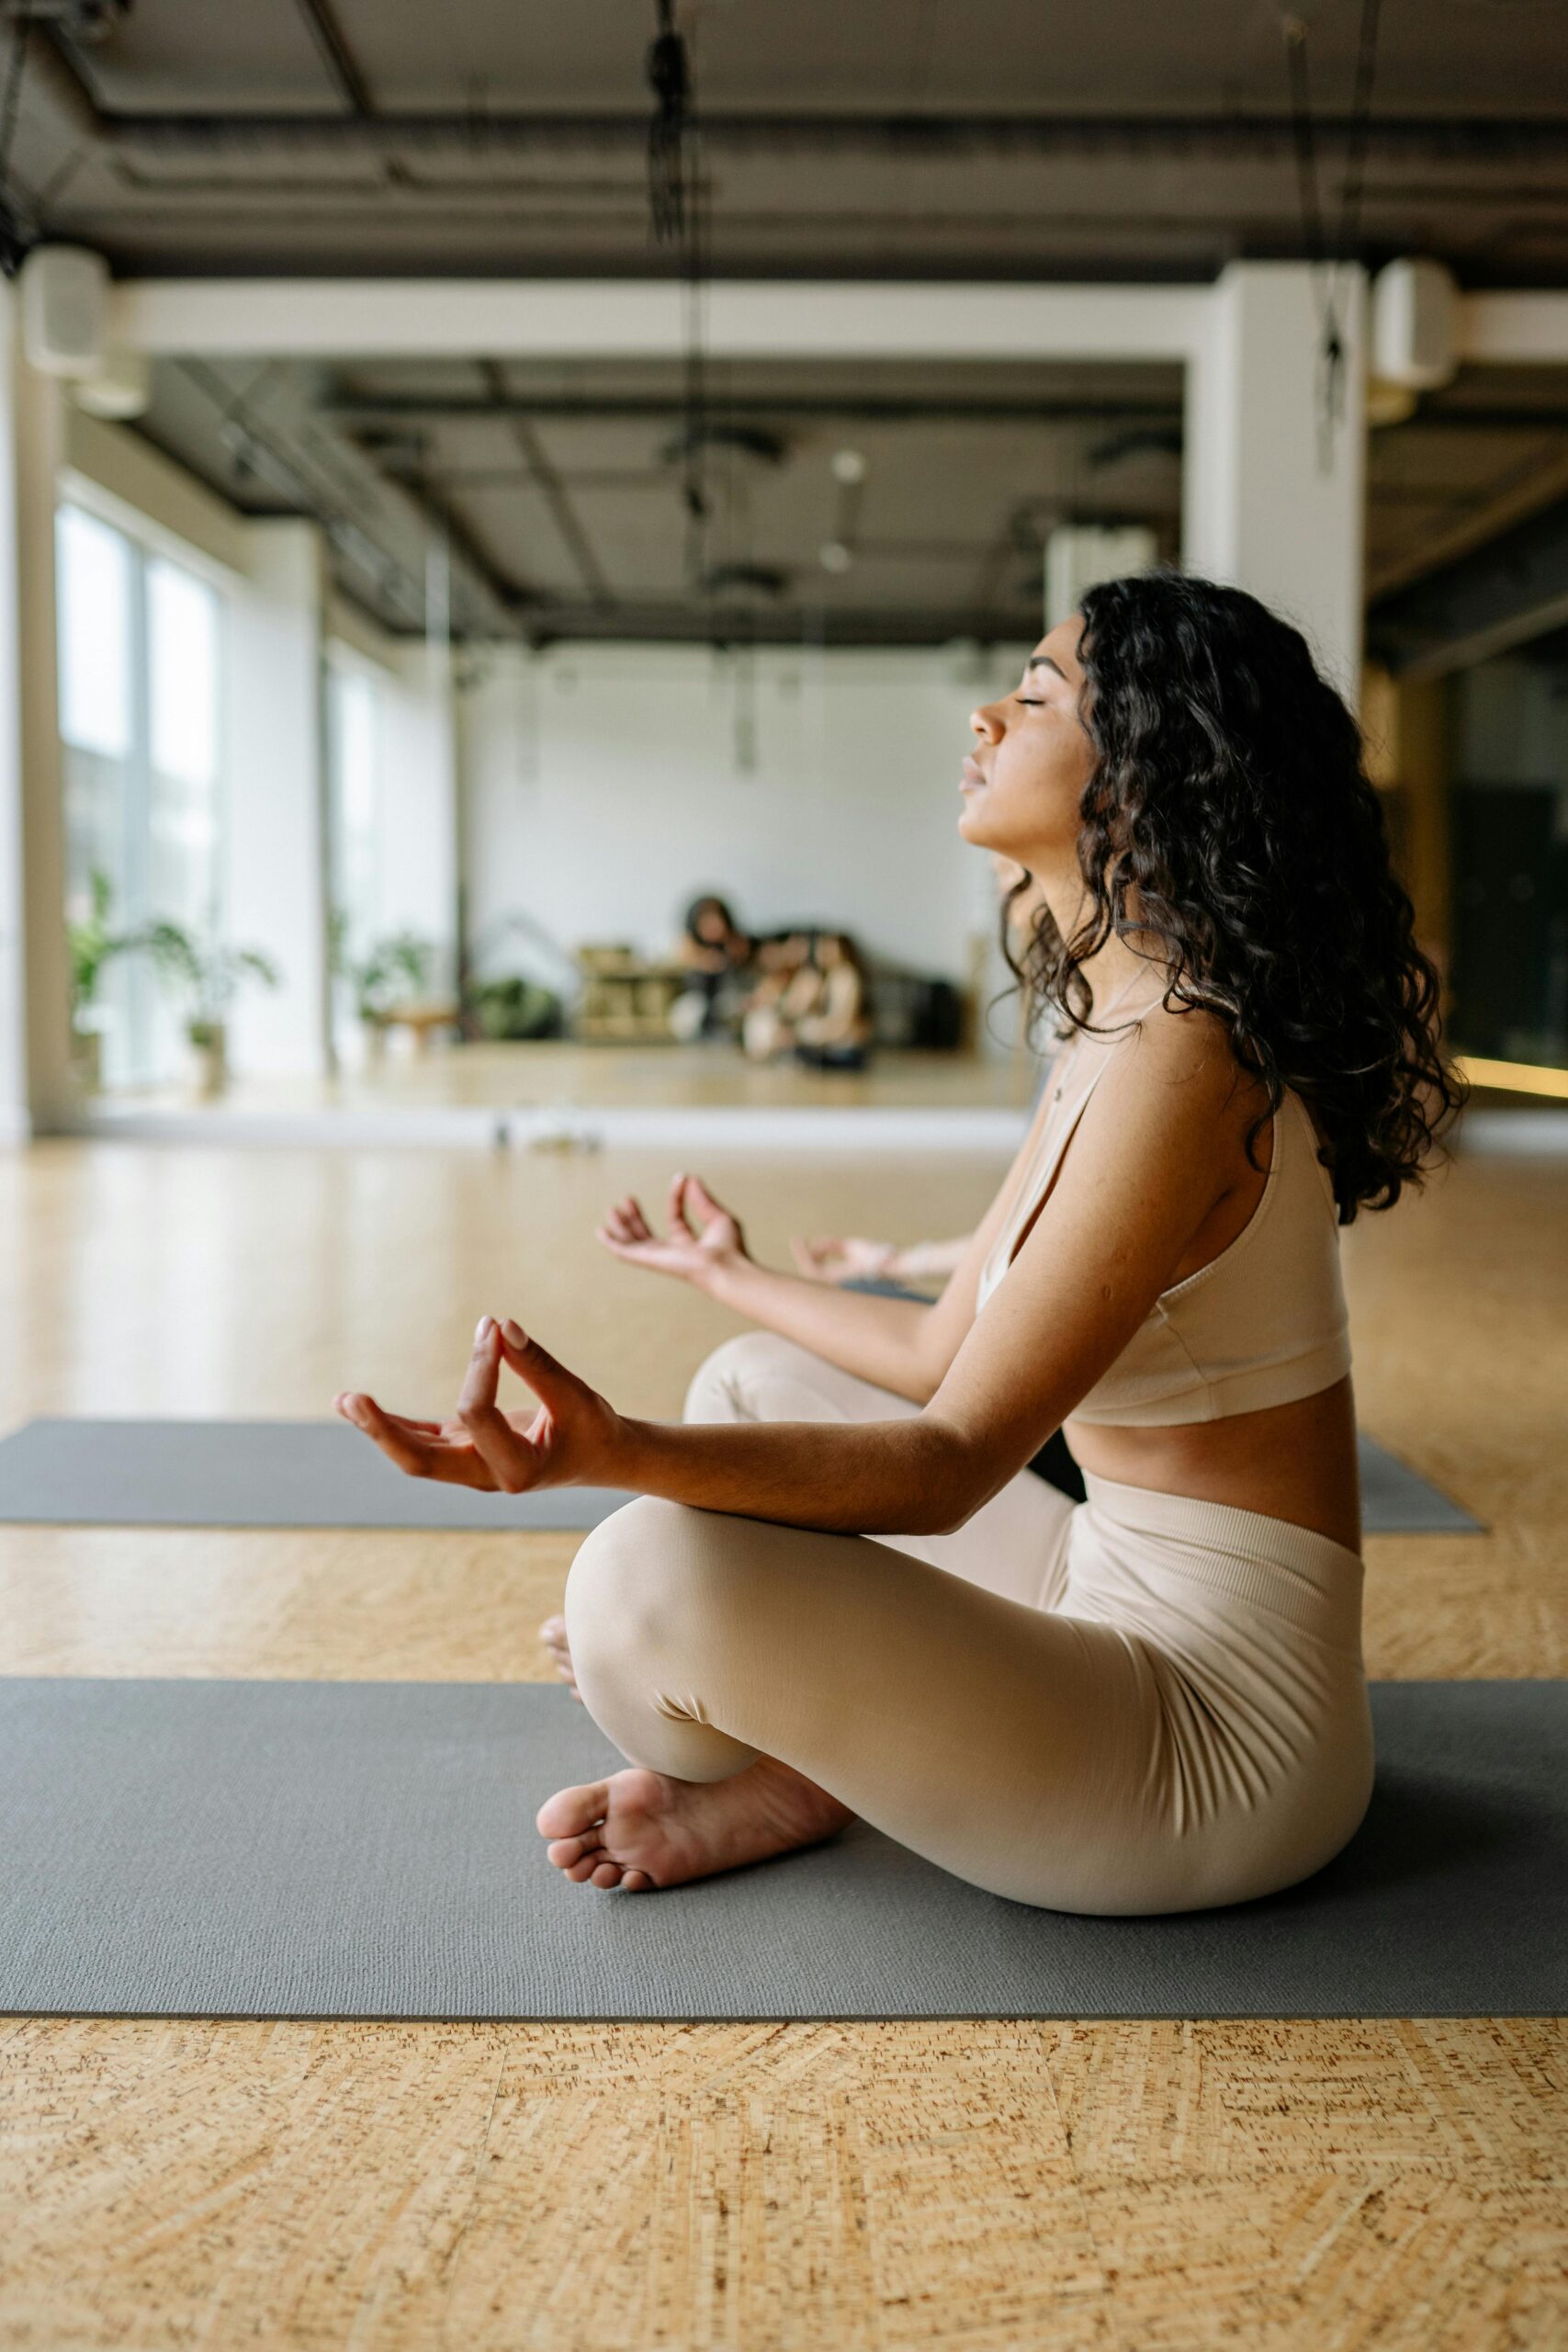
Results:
<point x="1229" y="795"/>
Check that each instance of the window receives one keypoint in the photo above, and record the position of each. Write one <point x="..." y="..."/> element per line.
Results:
<point x="140" y="722"/>
<point x="353" y="846"/>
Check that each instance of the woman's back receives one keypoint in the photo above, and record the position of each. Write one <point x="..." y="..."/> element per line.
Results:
<point x="1238" y="1376"/>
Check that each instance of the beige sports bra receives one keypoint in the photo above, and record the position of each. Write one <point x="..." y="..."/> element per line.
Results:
<point x="1262" y="1324"/>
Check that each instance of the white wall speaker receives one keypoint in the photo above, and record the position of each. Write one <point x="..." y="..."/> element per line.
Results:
<point x="122" y="386"/>
<point x="1415" y="325"/>
<point x="65" y="290"/>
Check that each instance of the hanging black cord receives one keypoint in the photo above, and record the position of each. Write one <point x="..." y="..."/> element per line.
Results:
<point x="677" y="213"/>
<point x="1361" y="129"/>
<point x="669" y="77"/>
<point x="1327" y="268"/>
<point x="695" y="490"/>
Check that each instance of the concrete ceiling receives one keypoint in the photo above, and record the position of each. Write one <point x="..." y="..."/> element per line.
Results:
<point x="888" y="137"/>
<point x="560" y="487"/>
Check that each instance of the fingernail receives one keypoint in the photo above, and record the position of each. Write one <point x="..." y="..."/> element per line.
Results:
<point x="481" y="1329"/>
<point x="515" y="1333"/>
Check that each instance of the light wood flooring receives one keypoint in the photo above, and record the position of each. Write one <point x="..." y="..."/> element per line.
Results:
<point x="559" y="1071"/>
<point x="991" y="2185"/>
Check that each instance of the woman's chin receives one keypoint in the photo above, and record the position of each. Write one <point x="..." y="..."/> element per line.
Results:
<point x="972" y="824"/>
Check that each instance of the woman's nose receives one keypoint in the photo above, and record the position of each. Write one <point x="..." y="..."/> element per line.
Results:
<point x="986" y="722"/>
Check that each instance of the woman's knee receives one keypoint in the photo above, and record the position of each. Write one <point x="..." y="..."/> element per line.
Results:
<point x="643" y="1577"/>
<point x="724" y="1385"/>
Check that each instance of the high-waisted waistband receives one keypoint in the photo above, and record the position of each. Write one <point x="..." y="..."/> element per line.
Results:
<point x="1291" y="1570"/>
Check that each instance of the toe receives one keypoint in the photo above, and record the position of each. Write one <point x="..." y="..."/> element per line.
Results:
<point x="572" y="1811"/>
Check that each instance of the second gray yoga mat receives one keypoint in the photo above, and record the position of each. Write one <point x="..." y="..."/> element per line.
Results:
<point x="324" y="1474"/>
<point x="368" y="1850"/>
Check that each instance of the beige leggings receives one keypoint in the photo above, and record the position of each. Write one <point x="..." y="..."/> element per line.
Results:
<point x="1136" y="1704"/>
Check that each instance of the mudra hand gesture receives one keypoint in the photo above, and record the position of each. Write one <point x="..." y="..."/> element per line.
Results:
<point x="704" y="1235"/>
<point x="567" y="1439"/>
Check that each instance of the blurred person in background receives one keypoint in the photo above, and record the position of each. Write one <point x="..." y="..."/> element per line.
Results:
<point x="718" y="954"/>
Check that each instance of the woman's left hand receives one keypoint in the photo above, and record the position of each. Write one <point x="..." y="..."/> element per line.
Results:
<point x="569" y="1440"/>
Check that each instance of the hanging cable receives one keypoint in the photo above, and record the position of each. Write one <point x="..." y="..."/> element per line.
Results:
<point x="678" y="212"/>
<point x="1327" y="268"/>
<point x="669" y="75"/>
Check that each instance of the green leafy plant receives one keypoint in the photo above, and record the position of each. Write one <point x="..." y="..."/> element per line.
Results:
<point x="516" y="1007"/>
<point x="93" y="943"/>
<point x="210" y="972"/>
<point x="392" y="969"/>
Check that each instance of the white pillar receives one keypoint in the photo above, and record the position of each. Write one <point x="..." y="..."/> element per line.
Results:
<point x="36" y="1090"/>
<point x="418" y="817"/>
<point x="275" y="830"/>
<point x="1272" y="503"/>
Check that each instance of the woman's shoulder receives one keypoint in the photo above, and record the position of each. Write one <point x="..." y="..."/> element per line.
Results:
<point x="1184" y="1052"/>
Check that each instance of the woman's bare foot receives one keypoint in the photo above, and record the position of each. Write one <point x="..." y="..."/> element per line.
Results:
<point x="640" y="1829"/>
<point x="552" y="1632"/>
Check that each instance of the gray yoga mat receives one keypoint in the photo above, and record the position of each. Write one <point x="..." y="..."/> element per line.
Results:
<point x="251" y="1474"/>
<point x="324" y="1474"/>
<point x="342" y="1850"/>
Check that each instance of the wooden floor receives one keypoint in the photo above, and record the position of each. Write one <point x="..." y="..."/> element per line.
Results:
<point x="989" y="2186"/>
<point x="559" y="1072"/>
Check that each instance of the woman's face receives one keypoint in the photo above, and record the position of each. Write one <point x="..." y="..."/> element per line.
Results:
<point x="1024" y="781"/>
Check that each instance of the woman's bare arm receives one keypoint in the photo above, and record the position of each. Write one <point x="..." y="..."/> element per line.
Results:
<point x="904" y="1345"/>
<point x="1161" y="1143"/>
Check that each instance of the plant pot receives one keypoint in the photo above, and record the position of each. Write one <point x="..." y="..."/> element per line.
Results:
<point x="209" y="1052"/>
<point x="87" y="1058"/>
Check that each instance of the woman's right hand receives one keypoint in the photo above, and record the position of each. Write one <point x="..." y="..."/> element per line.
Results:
<point x="691" y="1251"/>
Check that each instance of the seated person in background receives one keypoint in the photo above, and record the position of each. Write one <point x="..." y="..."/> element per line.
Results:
<point x="789" y="987"/>
<point x="836" y="1033"/>
<point x="716" y="951"/>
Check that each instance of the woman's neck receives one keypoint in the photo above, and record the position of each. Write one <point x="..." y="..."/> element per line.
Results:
<point x="1115" y="969"/>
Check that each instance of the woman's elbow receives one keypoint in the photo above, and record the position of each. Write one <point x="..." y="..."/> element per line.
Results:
<point x="954" y="1491"/>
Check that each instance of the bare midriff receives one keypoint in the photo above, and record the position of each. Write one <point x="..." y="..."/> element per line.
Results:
<point x="1296" y="1461"/>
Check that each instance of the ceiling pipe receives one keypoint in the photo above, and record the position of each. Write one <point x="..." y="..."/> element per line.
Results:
<point x="1231" y="136"/>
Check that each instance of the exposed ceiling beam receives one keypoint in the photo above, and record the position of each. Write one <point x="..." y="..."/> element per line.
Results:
<point x="805" y="626"/>
<point x="548" y="482"/>
<point x="506" y="596"/>
<point x="1532" y="480"/>
<point x="1437" y="138"/>
<point x="338" y="58"/>
<point x="864" y="407"/>
<point x="1514" y="589"/>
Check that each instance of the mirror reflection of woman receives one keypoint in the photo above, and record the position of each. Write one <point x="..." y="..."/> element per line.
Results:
<point x="840" y="1591"/>
<point x="716" y="952"/>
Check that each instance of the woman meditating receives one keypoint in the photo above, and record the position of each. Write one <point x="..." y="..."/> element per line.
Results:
<point x="840" y="1591"/>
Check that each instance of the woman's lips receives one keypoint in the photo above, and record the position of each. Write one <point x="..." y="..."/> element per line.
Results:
<point x="970" y="778"/>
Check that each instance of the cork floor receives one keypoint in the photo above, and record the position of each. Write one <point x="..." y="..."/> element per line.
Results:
<point x="192" y="2183"/>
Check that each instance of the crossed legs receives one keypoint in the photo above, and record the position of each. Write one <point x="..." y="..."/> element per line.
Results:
<point x="769" y="1682"/>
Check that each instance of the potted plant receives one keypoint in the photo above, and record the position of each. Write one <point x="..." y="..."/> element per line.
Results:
<point x="211" y="973"/>
<point x="393" y="969"/>
<point x="92" y="944"/>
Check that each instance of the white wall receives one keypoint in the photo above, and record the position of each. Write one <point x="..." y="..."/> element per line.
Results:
<point x="418" y="784"/>
<point x="605" y="787"/>
<point x="273" y="839"/>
